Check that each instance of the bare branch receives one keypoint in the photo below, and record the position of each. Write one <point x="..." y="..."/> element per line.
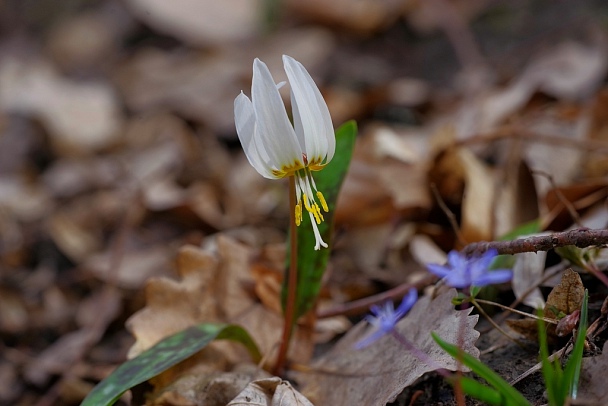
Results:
<point x="581" y="238"/>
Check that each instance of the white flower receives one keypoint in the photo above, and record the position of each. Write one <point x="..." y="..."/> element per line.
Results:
<point x="274" y="147"/>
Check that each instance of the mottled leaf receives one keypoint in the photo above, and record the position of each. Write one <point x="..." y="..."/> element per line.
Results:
<point x="164" y="355"/>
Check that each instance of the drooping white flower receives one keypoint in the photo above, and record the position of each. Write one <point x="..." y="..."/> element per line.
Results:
<point x="277" y="149"/>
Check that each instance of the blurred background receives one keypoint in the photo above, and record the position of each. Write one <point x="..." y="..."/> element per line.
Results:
<point x="117" y="147"/>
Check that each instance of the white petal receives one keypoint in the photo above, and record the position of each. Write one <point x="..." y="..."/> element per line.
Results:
<point x="276" y="133"/>
<point x="311" y="115"/>
<point x="244" y="120"/>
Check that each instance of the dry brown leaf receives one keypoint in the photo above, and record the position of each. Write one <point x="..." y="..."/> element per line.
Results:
<point x="70" y="347"/>
<point x="205" y="385"/>
<point x="203" y="87"/>
<point x="565" y="298"/>
<point x="365" y="16"/>
<point x="81" y="117"/>
<point x="570" y="71"/>
<point x="270" y="392"/>
<point x="216" y="285"/>
<point x="378" y="373"/>
<point x="596" y="165"/>
<point x="135" y="267"/>
<point x="24" y="201"/>
<point x="461" y="178"/>
<point x="201" y="22"/>
<point x="592" y="386"/>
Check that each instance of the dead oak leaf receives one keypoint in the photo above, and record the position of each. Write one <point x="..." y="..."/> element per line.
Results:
<point x="565" y="298"/>
<point x="378" y="373"/>
<point x="216" y="285"/>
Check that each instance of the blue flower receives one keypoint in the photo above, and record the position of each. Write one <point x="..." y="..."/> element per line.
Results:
<point x="462" y="272"/>
<point x="385" y="318"/>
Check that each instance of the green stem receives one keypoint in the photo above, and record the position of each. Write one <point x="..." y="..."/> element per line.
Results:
<point x="292" y="281"/>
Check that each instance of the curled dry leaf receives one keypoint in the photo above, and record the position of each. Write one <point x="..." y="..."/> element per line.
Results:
<point x="564" y="299"/>
<point x="211" y="387"/>
<point x="378" y="373"/>
<point x="461" y="177"/>
<point x="270" y="392"/>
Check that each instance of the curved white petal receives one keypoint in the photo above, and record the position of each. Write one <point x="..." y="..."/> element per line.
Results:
<point x="273" y="126"/>
<point x="244" y="120"/>
<point x="311" y="116"/>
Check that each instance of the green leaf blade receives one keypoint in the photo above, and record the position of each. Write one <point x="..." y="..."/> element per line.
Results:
<point x="163" y="356"/>
<point x="311" y="263"/>
<point x="510" y="395"/>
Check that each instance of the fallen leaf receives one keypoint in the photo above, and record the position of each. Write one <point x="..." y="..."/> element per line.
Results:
<point x="592" y="384"/>
<point x="270" y="392"/>
<point x="376" y="374"/>
<point x="207" y="386"/>
<point x="216" y="285"/>
<point x="564" y="299"/>
<point x="462" y="178"/>
<point x="82" y="117"/>
<point x="365" y="16"/>
<point x="528" y="270"/>
<point x="201" y="22"/>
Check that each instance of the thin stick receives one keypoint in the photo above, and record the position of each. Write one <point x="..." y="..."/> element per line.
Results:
<point x="361" y="306"/>
<point x="493" y="323"/>
<point x="292" y="281"/>
<point x="507" y="308"/>
<point x="448" y="213"/>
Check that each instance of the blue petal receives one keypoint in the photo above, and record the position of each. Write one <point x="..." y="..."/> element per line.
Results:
<point x="439" y="270"/>
<point x="493" y="277"/>
<point x="406" y="304"/>
<point x="369" y="339"/>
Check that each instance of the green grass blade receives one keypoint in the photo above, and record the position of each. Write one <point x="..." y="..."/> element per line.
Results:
<point x="481" y="392"/>
<point x="552" y="372"/>
<point x="311" y="263"/>
<point x="511" y="396"/>
<point x="572" y="370"/>
<point x="163" y="356"/>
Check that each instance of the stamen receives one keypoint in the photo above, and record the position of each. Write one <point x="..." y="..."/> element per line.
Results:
<point x="306" y="205"/>
<point x="323" y="202"/>
<point x="298" y="213"/>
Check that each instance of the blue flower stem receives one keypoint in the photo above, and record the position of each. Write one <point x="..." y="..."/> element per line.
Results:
<point x="292" y="281"/>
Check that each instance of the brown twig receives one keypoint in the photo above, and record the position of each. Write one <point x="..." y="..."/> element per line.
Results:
<point x="362" y="305"/>
<point x="449" y="214"/>
<point x="580" y="237"/>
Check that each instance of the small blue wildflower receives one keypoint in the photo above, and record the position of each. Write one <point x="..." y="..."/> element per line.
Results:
<point x="385" y="317"/>
<point x="462" y="272"/>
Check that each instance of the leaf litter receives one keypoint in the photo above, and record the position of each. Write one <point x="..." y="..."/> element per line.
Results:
<point x="122" y="195"/>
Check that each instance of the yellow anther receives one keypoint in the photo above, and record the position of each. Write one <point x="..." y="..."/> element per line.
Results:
<point x="317" y="219"/>
<point x="318" y="210"/>
<point x="323" y="202"/>
<point x="298" y="213"/>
